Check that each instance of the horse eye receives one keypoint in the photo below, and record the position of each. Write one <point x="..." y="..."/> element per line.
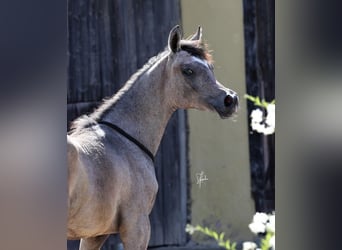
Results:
<point x="188" y="72"/>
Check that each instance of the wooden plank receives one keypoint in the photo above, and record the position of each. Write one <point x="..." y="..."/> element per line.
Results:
<point x="107" y="74"/>
<point x="259" y="58"/>
<point x="170" y="179"/>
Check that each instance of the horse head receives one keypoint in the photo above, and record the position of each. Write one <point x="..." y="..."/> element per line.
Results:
<point x="191" y="76"/>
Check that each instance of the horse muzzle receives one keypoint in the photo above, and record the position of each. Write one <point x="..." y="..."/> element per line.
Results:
<point x="231" y="101"/>
<point x="226" y="105"/>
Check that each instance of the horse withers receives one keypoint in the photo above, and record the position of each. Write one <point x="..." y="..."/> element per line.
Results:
<point x="112" y="182"/>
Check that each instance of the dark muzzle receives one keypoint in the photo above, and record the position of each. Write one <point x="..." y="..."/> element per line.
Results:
<point x="231" y="100"/>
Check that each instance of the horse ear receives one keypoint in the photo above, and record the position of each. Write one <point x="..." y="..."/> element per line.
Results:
<point x="174" y="39"/>
<point x="198" y="35"/>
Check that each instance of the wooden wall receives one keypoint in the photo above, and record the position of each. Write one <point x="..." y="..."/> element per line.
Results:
<point x="259" y="26"/>
<point x="108" y="41"/>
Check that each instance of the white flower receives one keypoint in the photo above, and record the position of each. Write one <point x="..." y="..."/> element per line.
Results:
<point x="258" y="224"/>
<point x="270" y="226"/>
<point x="258" y="127"/>
<point x="248" y="245"/>
<point x="257" y="227"/>
<point x="257" y="116"/>
<point x="260" y="217"/>
<point x="268" y="130"/>
<point x="271" y="107"/>
<point x="265" y="126"/>
<point x="270" y="119"/>
<point x="190" y="229"/>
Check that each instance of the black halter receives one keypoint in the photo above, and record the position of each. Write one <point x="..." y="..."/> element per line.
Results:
<point x="129" y="137"/>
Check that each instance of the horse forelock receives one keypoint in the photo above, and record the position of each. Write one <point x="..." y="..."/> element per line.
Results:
<point x="197" y="49"/>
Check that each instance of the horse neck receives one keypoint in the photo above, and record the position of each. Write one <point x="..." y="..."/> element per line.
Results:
<point x="142" y="109"/>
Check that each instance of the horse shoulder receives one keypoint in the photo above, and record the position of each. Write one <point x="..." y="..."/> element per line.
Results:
<point x="145" y="185"/>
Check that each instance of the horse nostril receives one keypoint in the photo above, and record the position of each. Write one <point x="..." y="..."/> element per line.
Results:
<point x="229" y="101"/>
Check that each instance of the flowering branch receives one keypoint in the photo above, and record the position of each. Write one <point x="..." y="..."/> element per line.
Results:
<point x="259" y="123"/>
<point x="264" y="224"/>
<point x="218" y="237"/>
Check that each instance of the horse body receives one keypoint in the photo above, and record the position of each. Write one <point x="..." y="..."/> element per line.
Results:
<point x="113" y="190"/>
<point x="112" y="183"/>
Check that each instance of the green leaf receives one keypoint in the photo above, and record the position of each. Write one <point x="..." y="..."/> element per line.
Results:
<point x="221" y="236"/>
<point x="227" y="245"/>
<point x="222" y="244"/>
<point x="218" y="237"/>
<point x="258" y="102"/>
<point x="199" y="228"/>
<point x="265" y="243"/>
<point x="215" y="235"/>
<point x="249" y="97"/>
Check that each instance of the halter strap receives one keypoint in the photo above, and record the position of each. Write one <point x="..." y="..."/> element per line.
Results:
<point x="129" y="137"/>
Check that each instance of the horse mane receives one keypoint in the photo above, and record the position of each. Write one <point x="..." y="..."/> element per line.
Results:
<point x="194" y="48"/>
<point x="198" y="49"/>
<point x="81" y="123"/>
<point x="86" y="121"/>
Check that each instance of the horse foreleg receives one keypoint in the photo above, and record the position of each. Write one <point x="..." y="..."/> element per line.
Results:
<point x="94" y="243"/>
<point x="135" y="235"/>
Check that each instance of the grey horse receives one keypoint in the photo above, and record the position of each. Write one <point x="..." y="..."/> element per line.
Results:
<point x="111" y="178"/>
